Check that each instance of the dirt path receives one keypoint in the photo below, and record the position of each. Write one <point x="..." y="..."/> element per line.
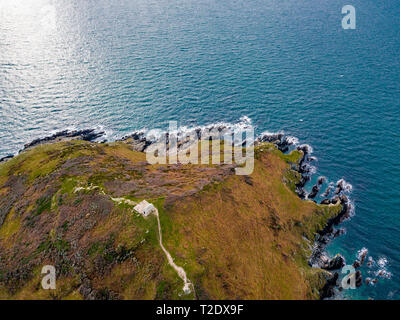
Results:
<point x="188" y="286"/>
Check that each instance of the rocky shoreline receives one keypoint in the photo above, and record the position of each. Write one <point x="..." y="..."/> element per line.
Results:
<point x="65" y="135"/>
<point x="319" y="259"/>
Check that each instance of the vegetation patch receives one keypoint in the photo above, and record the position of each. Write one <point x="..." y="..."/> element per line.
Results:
<point x="11" y="226"/>
<point x="43" y="204"/>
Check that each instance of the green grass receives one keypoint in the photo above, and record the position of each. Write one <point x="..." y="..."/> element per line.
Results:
<point x="43" y="204"/>
<point x="69" y="184"/>
<point x="10" y="226"/>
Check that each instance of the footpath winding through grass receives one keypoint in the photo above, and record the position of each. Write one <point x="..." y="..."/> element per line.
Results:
<point x="188" y="286"/>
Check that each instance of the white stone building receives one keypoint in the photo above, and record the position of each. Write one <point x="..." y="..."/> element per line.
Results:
<point x="145" y="208"/>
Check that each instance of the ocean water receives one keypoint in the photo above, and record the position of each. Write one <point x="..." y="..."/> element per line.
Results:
<point x="123" y="65"/>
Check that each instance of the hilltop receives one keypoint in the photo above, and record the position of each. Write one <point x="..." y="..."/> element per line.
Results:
<point x="70" y="204"/>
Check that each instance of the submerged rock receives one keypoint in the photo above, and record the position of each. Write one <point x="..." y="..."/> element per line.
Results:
<point x="327" y="192"/>
<point x="321" y="180"/>
<point x="370" y="281"/>
<point x="362" y="255"/>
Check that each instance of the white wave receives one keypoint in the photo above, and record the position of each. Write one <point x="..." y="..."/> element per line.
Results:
<point x="352" y="208"/>
<point x="292" y="140"/>
<point x="271" y="134"/>
<point x="309" y="149"/>
<point x="211" y="129"/>
<point x="381" y="265"/>
<point x="382" y="262"/>
<point x="246" y="119"/>
<point x="153" y="134"/>
<point x="347" y="187"/>
<point x="68" y="128"/>
<point x="108" y="133"/>
<point x="362" y="253"/>
<point x="312" y="169"/>
<point x="383" y="273"/>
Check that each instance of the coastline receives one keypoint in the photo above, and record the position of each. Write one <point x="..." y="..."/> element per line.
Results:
<point x="318" y="258"/>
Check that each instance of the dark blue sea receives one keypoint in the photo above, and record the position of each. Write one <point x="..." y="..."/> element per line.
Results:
<point x="124" y="65"/>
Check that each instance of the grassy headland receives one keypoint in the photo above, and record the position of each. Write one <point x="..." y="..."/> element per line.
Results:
<point x="237" y="237"/>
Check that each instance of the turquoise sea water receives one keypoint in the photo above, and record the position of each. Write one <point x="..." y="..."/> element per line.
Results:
<point x="122" y="65"/>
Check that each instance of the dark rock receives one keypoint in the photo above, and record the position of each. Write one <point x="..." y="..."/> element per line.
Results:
<point x="274" y="137"/>
<point x="345" y="213"/>
<point x="338" y="232"/>
<point x="321" y="180"/>
<point x="380" y="273"/>
<point x="328" y="230"/>
<point x="303" y="181"/>
<point x="87" y="135"/>
<point x="284" y="149"/>
<point x="356" y="264"/>
<point x="358" y="279"/>
<point x="326" y="201"/>
<point x="283" y="146"/>
<point x="138" y="141"/>
<point x="328" y="289"/>
<point x="6" y="158"/>
<point x="278" y="139"/>
<point x="305" y="148"/>
<point x="335" y="200"/>
<point x="314" y="192"/>
<point x="363" y="255"/>
<point x="336" y="262"/>
<point x="248" y="180"/>
<point x="301" y="193"/>
<point x="327" y="192"/>
<point x="339" y="186"/>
